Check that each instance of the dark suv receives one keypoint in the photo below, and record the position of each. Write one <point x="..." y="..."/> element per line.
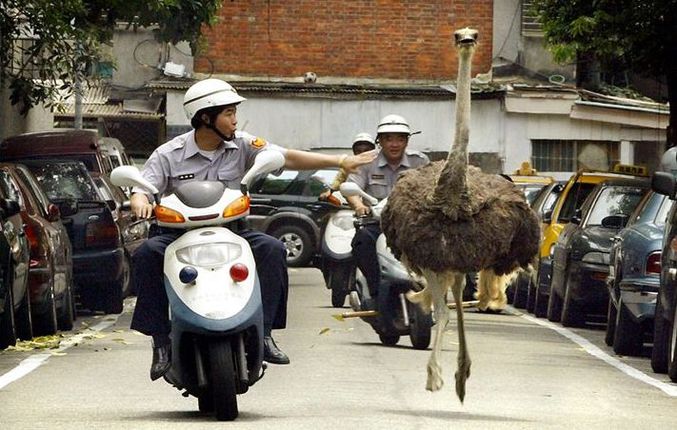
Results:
<point x="99" y="269"/>
<point x="287" y="207"/>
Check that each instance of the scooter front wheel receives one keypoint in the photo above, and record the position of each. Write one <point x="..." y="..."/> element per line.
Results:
<point x="222" y="377"/>
<point x="340" y="279"/>
<point x="389" y="339"/>
<point x="420" y="325"/>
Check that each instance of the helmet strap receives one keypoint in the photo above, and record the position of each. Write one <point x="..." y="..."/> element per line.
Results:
<point x="219" y="133"/>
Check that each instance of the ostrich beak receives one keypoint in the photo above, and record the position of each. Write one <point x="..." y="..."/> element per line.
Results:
<point x="465" y="36"/>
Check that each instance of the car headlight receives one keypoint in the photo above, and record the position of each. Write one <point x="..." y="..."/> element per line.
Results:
<point x="596" y="257"/>
<point x="209" y="255"/>
<point x="344" y="222"/>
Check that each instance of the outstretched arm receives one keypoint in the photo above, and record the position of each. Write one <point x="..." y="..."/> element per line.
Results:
<point x="305" y="160"/>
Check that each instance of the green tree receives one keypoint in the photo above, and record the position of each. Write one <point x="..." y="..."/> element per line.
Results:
<point x="637" y="35"/>
<point x="63" y="38"/>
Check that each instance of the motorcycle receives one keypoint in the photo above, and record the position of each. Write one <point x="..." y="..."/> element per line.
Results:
<point x="212" y="286"/>
<point x="338" y="266"/>
<point x="397" y="316"/>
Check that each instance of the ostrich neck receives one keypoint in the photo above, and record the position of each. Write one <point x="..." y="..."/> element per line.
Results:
<point x="459" y="149"/>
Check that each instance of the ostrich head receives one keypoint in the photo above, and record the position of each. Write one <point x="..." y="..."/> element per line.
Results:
<point x="465" y="38"/>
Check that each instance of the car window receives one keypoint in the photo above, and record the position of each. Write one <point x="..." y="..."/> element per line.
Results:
<point x="279" y="184"/>
<point x="65" y="181"/>
<point x="531" y="191"/>
<point x="8" y="189"/>
<point x="614" y="200"/>
<point x="89" y="159"/>
<point x="319" y="181"/>
<point x="662" y="215"/>
<point x="574" y="199"/>
<point x="114" y="160"/>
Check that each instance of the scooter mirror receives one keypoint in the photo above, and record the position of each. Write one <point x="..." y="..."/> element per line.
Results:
<point x="349" y="189"/>
<point x="265" y="162"/>
<point x="129" y="176"/>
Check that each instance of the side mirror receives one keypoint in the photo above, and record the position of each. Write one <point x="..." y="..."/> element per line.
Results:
<point x="615" y="221"/>
<point x="663" y="183"/>
<point x="576" y="218"/>
<point x="130" y="176"/>
<point x="53" y="213"/>
<point x="9" y="207"/>
<point x="547" y="217"/>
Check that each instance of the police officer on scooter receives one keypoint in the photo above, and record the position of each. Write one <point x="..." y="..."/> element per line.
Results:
<point x="377" y="179"/>
<point x="214" y="150"/>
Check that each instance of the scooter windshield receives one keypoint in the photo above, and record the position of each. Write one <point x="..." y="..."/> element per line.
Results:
<point x="200" y="194"/>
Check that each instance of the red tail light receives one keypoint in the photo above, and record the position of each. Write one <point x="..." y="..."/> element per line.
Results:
<point x="102" y="234"/>
<point x="32" y="237"/>
<point x="239" y="272"/>
<point x="653" y="263"/>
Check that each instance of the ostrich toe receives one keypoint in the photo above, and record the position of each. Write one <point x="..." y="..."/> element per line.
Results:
<point x="462" y="374"/>
<point x="435" y="381"/>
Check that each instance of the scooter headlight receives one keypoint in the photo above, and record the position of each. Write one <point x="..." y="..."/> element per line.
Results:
<point x="209" y="255"/>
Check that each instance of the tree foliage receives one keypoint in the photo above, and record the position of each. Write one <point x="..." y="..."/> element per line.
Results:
<point x="46" y="44"/>
<point x="637" y="35"/>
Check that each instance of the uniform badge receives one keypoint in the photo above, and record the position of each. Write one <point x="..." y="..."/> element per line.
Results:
<point x="258" y="143"/>
<point x="376" y="176"/>
<point x="186" y="176"/>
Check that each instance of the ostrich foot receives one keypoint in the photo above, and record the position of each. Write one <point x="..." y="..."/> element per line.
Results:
<point x="462" y="374"/>
<point x="435" y="381"/>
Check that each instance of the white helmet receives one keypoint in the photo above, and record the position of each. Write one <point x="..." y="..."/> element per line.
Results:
<point x="669" y="160"/>
<point x="363" y="137"/>
<point x="393" y="124"/>
<point x="209" y="93"/>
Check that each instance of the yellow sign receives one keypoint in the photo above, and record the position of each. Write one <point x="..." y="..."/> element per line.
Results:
<point x="631" y="169"/>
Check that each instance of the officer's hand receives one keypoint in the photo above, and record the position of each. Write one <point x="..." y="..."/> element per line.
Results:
<point x="362" y="210"/>
<point x="352" y="162"/>
<point x="140" y="206"/>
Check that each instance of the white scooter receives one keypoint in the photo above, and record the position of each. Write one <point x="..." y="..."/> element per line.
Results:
<point x="398" y="316"/>
<point x="338" y="266"/>
<point x="212" y="286"/>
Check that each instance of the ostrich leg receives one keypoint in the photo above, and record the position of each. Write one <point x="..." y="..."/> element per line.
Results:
<point x="463" y="370"/>
<point x="437" y="288"/>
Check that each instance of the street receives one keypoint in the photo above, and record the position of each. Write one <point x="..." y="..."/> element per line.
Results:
<point x="526" y="373"/>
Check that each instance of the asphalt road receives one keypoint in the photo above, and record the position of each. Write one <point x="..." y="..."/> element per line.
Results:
<point x="526" y="374"/>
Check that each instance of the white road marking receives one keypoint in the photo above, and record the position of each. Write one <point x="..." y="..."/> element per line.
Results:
<point x="36" y="360"/>
<point x="595" y="351"/>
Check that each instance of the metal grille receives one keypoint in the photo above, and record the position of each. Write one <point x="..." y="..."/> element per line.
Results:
<point x="530" y="24"/>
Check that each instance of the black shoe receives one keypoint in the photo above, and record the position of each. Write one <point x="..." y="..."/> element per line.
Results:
<point x="272" y="354"/>
<point x="162" y="361"/>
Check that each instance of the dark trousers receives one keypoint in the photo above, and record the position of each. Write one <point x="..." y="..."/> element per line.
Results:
<point x="364" y="251"/>
<point x="151" y="315"/>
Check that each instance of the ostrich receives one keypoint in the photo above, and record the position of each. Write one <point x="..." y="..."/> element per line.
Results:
<point x="446" y="219"/>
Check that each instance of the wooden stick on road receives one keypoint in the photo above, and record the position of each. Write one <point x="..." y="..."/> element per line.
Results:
<point x="363" y="314"/>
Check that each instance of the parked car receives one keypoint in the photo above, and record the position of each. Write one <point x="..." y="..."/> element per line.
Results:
<point x="115" y="151"/>
<point x="634" y="275"/>
<point x="15" y="319"/>
<point x="50" y="273"/>
<point x="576" y="190"/>
<point x="581" y="253"/>
<point x="99" y="270"/>
<point x="664" y="351"/>
<point x="133" y="231"/>
<point x="524" y="286"/>
<point x="80" y="145"/>
<point x="287" y="207"/>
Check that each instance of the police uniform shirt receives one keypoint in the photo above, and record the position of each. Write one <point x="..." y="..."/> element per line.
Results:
<point x="180" y="160"/>
<point x="378" y="177"/>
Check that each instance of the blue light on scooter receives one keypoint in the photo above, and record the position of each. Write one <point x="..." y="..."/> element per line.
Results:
<point x="188" y="274"/>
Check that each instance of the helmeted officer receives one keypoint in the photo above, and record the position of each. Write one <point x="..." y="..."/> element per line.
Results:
<point x="378" y="179"/>
<point x="214" y="150"/>
<point x="362" y="142"/>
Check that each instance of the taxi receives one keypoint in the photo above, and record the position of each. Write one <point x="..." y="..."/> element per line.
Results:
<point x="574" y="193"/>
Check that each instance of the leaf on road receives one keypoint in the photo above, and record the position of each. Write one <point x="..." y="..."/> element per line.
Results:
<point x="338" y="317"/>
<point x="324" y="330"/>
<point x="121" y="340"/>
<point x="40" y="342"/>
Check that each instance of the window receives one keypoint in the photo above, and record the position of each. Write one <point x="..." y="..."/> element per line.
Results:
<point x="614" y="200"/>
<point x="572" y="155"/>
<point x="279" y="184"/>
<point x="530" y="24"/>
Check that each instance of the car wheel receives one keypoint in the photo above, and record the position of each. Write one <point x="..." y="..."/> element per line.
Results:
<point x="297" y="242"/>
<point x="531" y="297"/>
<point x="672" y="357"/>
<point x="610" y="323"/>
<point x="661" y="337"/>
<point x="23" y="318"/>
<point x="126" y="275"/>
<point x="554" y="306"/>
<point x="628" y="334"/>
<point x="573" y="314"/>
<point x="45" y="324"/>
<point x="521" y="290"/>
<point x="7" y="325"/>
<point x="66" y="313"/>
<point x="113" y="303"/>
